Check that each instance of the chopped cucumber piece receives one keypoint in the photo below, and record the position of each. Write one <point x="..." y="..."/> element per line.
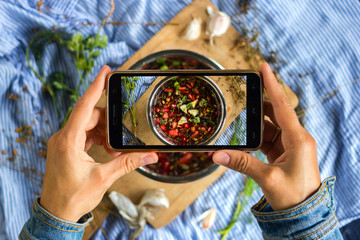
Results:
<point x="183" y="108"/>
<point x="193" y="103"/>
<point x="182" y="120"/>
<point x="193" y="112"/>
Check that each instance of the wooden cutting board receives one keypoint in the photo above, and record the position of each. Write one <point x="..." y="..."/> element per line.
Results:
<point x="133" y="185"/>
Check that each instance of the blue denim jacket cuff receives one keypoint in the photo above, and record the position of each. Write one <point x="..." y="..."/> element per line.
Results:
<point x="44" y="225"/>
<point x="312" y="219"/>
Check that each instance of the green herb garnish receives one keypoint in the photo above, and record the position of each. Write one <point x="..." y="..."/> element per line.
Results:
<point x="130" y="84"/>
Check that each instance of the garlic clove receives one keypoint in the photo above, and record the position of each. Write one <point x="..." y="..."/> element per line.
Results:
<point x="208" y="218"/>
<point x="193" y="30"/>
<point x="209" y="10"/>
<point x="155" y="198"/>
<point x="124" y="204"/>
<point x="217" y="24"/>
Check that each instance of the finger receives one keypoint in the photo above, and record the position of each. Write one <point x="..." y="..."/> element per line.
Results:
<point x="126" y="163"/>
<point x="112" y="153"/>
<point x="270" y="131"/>
<point x="83" y="109"/>
<point x="241" y="162"/>
<point x="269" y="111"/>
<point x="284" y="112"/>
<point x="97" y="118"/>
<point x="272" y="151"/>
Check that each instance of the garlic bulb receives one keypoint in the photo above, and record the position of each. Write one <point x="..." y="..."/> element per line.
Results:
<point x="193" y="30"/>
<point x="217" y="23"/>
<point x="208" y="218"/>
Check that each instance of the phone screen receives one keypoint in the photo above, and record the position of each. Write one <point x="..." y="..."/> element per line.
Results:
<point x="184" y="110"/>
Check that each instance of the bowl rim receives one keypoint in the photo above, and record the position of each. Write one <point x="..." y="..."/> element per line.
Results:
<point x="208" y="82"/>
<point x="169" y="52"/>
<point x="178" y="179"/>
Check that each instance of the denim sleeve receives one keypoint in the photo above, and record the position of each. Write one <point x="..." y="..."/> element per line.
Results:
<point x="313" y="219"/>
<point x="43" y="225"/>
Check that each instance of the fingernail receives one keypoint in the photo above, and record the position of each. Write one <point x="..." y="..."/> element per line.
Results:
<point x="222" y="159"/>
<point x="149" y="159"/>
<point x="103" y="68"/>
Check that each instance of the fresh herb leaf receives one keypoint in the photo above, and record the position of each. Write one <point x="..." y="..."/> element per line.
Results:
<point x="161" y="60"/>
<point x="164" y="67"/>
<point x="194" y="120"/>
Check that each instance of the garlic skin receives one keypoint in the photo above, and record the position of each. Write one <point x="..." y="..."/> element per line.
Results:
<point x="136" y="215"/>
<point x="193" y="30"/>
<point x="208" y="218"/>
<point x="124" y="204"/>
<point x="155" y="198"/>
<point x="217" y="24"/>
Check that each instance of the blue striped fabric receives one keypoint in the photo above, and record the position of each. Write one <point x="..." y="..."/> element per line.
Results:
<point x="319" y="40"/>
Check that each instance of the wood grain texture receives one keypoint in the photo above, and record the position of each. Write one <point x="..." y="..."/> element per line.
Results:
<point x="133" y="185"/>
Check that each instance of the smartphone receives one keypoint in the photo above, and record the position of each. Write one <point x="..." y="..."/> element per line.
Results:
<point x="184" y="110"/>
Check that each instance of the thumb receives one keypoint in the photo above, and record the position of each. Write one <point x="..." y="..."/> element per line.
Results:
<point x="242" y="162"/>
<point x="126" y="163"/>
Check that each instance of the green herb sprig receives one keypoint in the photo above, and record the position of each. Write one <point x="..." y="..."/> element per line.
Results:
<point x="243" y="198"/>
<point x="130" y="84"/>
<point x="83" y="50"/>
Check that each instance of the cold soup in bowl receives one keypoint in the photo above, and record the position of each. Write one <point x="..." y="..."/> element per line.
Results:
<point x="186" y="110"/>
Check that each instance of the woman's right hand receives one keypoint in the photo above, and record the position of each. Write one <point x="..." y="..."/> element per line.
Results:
<point x="292" y="174"/>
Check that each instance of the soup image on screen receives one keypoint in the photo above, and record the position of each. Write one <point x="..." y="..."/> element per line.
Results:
<point x="186" y="111"/>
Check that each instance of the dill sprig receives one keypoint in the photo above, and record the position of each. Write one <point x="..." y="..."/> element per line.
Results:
<point x="128" y="104"/>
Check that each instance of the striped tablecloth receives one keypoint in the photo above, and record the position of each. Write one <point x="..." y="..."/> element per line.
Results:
<point x="318" y="40"/>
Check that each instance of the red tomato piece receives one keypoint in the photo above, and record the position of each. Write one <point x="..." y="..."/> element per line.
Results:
<point x="203" y="129"/>
<point x="165" y="165"/>
<point x="189" y="86"/>
<point x="157" y="109"/>
<point x="209" y="128"/>
<point x="186" y="125"/>
<point x="168" y="90"/>
<point x="192" y="84"/>
<point x="165" y="110"/>
<point x="195" y="134"/>
<point x="173" y="132"/>
<point x="174" y="124"/>
<point x="182" y="88"/>
<point x="197" y="91"/>
<point x="193" y="129"/>
<point x="165" y="116"/>
<point x="157" y="120"/>
<point x="185" y="159"/>
<point x="191" y="97"/>
<point x="163" y="128"/>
